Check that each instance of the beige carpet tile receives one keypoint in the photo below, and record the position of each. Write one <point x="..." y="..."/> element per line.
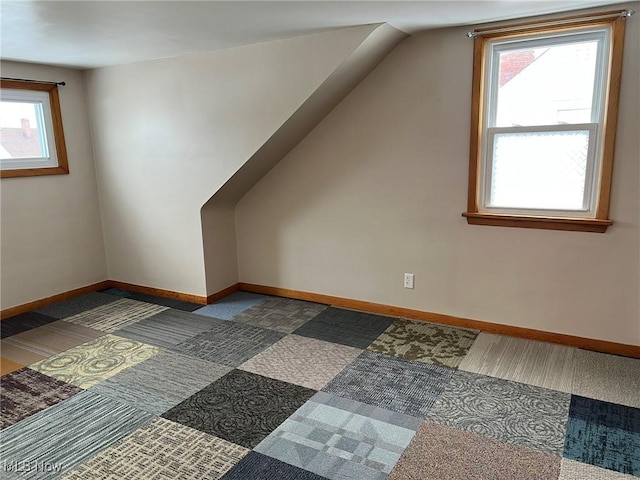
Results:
<point x="42" y="342"/>
<point x="162" y="450"/>
<point x="438" y="452"/>
<point x="607" y="377"/>
<point x="303" y="361"/>
<point x="526" y="361"/>
<point x="113" y="316"/>
<point x="95" y="361"/>
<point x="425" y="342"/>
<point x="8" y="366"/>
<point x="572" y="470"/>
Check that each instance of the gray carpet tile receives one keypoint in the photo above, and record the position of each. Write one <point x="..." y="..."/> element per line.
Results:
<point x="168" y="328"/>
<point x="229" y="343"/>
<point x="26" y="392"/>
<point x="438" y="452"/>
<point x="162" y="382"/>
<point x="572" y="470"/>
<point x="115" y="315"/>
<point x="514" y="413"/>
<point x="281" y="314"/>
<point x="348" y="327"/>
<point x="256" y="466"/>
<point x="341" y="438"/>
<point x="166" y="302"/>
<point x="393" y="383"/>
<point x="73" y="306"/>
<point x="162" y="450"/>
<point x="23" y="322"/>
<point x="63" y="436"/>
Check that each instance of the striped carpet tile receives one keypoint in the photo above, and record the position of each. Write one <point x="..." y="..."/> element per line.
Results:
<point x="53" y="441"/>
<point x="162" y="450"/>
<point x="113" y="316"/>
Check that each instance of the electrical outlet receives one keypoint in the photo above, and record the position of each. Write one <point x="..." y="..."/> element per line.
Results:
<point x="408" y="280"/>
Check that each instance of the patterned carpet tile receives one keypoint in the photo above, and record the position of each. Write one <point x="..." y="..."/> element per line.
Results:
<point x="281" y="314"/>
<point x="7" y="366"/>
<point x="607" y="377"/>
<point x="604" y="434"/>
<point x="438" y="452"/>
<point x="511" y="412"/>
<point x="162" y="450"/>
<point x="168" y="328"/>
<point x="241" y="407"/>
<point x="26" y="392"/>
<point x="526" y="361"/>
<point x="392" y="383"/>
<point x="425" y="342"/>
<point x="230" y="306"/>
<point x="301" y="360"/>
<point x="115" y="315"/>
<point x="347" y="327"/>
<point x="256" y="466"/>
<point x="161" y="382"/>
<point x="229" y="343"/>
<point x="42" y="342"/>
<point x="95" y="361"/>
<point x="73" y="306"/>
<point x="53" y="441"/>
<point x="23" y="322"/>
<point x="572" y="470"/>
<point x="339" y="438"/>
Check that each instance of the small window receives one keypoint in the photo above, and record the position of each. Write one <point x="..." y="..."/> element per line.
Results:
<point x="31" y="134"/>
<point x="543" y="123"/>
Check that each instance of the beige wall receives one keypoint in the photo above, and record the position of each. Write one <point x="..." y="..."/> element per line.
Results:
<point x="51" y="234"/>
<point x="169" y="133"/>
<point x="377" y="189"/>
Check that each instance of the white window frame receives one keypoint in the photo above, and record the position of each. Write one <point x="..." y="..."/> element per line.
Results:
<point x="54" y="159"/>
<point x="608" y="29"/>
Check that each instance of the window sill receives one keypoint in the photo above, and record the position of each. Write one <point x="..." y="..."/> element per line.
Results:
<point x="33" y="172"/>
<point x="546" y="223"/>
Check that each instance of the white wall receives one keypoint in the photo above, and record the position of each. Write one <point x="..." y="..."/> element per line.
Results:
<point x="377" y="189"/>
<point x="51" y="235"/>
<point x="169" y="133"/>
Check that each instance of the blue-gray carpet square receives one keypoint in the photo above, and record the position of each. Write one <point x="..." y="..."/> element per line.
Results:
<point x="73" y="306"/>
<point x="256" y="466"/>
<point x="604" y="434"/>
<point x="232" y="305"/>
<point x="392" y="383"/>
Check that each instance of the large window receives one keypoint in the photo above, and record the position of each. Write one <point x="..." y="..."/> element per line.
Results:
<point x="543" y="123"/>
<point x="31" y="134"/>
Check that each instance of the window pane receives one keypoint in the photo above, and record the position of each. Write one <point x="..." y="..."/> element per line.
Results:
<point x="539" y="170"/>
<point x="21" y="130"/>
<point x="546" y="85"/>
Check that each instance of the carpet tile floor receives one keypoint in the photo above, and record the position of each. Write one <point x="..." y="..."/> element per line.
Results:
<point x="122" y="385"/>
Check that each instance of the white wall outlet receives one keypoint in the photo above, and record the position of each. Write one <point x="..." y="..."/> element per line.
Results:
<point x="408" y="280"/>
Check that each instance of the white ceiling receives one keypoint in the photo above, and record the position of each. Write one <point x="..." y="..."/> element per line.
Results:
<point x="88" y="34"/>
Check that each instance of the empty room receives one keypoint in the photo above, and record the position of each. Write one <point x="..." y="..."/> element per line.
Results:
<point x="325" y="240"/>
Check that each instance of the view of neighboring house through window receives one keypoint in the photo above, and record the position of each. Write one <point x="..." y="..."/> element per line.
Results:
<point x="542" y="144"/>
<point x="31" y="138"/>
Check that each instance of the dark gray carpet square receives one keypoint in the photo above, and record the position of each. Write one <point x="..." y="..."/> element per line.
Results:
<point x="240" y="407"/>
<point x="73" y="306"/>
<point x="348" y="327"/>
<point x="23" y="322"/>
